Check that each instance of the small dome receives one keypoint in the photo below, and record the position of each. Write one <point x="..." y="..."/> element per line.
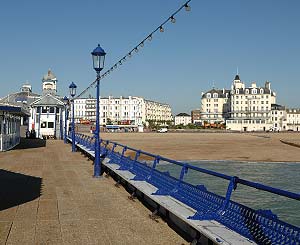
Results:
<point x="49" y="76"/>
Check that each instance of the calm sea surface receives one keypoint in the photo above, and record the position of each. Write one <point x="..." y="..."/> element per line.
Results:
<point x="285" y="176"/>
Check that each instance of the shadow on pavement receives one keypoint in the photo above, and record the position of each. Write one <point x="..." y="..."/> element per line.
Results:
<point x="30" y="143"/>
<point x="16" y="189"/>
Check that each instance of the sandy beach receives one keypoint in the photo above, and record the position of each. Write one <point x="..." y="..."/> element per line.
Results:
<point x="265" y="147"/>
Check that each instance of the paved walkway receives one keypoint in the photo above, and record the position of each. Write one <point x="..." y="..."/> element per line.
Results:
<point x="48" y="196"/>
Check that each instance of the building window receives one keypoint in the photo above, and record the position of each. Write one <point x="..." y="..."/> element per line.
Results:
<point x="261" y="91"/>
<point x="44" y="109"/>
<point x="208" y="95"/>
<point x="43" y="125"/>
<point x="247" y="91"/>
<point x="50" y="124"/>
<point x="254" y="91"/>
<point x="237" y="91"/>
<point x="215" y="95"/>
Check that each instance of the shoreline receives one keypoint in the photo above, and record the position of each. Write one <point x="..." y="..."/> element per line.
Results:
<point x="226" y="147"/>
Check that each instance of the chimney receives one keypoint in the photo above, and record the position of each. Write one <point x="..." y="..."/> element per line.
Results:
<point x="253" y="84"/>
<point x="268" y="85"/>
<point x="223" y="90"/>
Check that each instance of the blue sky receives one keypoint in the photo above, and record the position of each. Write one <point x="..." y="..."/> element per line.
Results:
<point x="204" y="46"/>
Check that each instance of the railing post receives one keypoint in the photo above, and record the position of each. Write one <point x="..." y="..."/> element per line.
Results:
<point x="156" y="161"/>
<point x="123" y="153"/>
<point x="231" y="187"/>
<point x="184" y="171"/>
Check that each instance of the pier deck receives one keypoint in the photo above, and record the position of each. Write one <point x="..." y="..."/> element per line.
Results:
<point x="48" y="196"/>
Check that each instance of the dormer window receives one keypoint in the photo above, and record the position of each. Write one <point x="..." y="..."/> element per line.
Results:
<point x="215" y="95"/>
<point x="254" y="91"/>
<point x="208" y="95"/>
<point x="247" y="91"/>
<point x="237" y="91"/>
<point x="261" y="91"/>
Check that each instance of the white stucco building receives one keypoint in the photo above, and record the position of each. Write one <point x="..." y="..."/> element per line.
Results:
<point x="80" y="109"/>
<point x="47" y="112"/>
<point x="250" y="106"/>
<point x="122" y="110"/>
<point x="182" y="118"/>
<point x="215" y="106"/>
<point x="293" y="119"/>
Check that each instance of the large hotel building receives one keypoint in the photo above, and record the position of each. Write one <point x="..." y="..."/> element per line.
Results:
<point x="250" y="108"/>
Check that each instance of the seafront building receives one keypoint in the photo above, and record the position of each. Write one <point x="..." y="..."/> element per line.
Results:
<point x="250" y="106"/>
<point x="183" y="119"/>
<point x="247" y="108"/>
<point x="196" y="116"/>
<point x="129" y="110"/>
<point x="293" y="119"/>
<point x="215" y="106"/>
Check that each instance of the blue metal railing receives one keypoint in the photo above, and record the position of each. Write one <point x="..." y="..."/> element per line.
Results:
<point x="261" y="226"/>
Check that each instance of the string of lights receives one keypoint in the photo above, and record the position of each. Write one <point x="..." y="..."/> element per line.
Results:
<point x="140" y="45"/>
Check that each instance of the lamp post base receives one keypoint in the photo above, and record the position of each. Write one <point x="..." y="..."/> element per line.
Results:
<point x="98" y="177"/>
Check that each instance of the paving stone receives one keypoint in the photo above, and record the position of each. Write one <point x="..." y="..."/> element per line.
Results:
<point x="70" y="206"/>
<point x="22" y="232"/>
<point x="4" y="231"/>
<point x="47" y="210"/>
<point x="48" y="232"/>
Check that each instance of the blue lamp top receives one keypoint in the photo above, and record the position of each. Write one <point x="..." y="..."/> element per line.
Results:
<point x="98" y="51"/>
<point x="65" y="99"/>
<point x="72" y="85"/>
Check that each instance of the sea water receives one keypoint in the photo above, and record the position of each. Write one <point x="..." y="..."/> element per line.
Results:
<point x="285" y="176"/>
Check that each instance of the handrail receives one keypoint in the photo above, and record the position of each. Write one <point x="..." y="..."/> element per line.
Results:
<point x="234" y="180"/>
<point x="248" y="183"/>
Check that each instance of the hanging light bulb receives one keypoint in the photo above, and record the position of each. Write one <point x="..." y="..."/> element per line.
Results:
<point x="120" y="62"/>
<point x="187" y="7"/>
<point x="116" y="66"/>
<point x="161" y="29"/>
<point x="129" y="55"/>
<point x="173" y="20"/>
<point x="136" y="49"/>
<point x="149" y="37"/>
<point x="142" y="44"/>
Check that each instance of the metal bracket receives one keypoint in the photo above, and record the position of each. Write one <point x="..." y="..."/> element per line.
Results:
<point x="155" y="215"/>
<point x="118" y="183"/>
<point x="133" y="196"/>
